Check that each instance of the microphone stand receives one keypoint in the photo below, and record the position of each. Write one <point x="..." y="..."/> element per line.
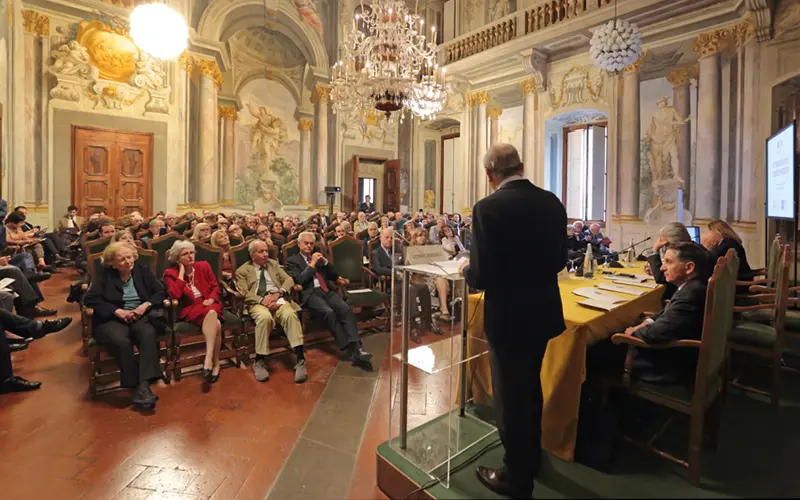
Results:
<point x="634" y="245"/>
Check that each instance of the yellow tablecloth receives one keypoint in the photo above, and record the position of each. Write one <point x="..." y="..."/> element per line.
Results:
<point x="563" y="368"/>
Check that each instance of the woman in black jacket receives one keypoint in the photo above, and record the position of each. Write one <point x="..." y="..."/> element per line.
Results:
<point x="128" y="303"/>
<point x="722" y="239"/>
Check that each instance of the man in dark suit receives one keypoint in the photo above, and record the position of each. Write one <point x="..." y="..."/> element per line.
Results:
<point x="687" y="266"/>
<point x="312" y="271"/>
<point x="522" y="307"/>
<point x="366" y="207"/>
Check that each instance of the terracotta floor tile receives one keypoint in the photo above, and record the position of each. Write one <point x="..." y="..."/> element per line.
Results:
<point x="161" y="479"/>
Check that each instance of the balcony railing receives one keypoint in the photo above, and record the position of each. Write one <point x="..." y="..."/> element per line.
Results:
<point x="533" y="19"/>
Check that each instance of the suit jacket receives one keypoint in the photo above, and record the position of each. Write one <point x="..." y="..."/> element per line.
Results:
<point x="246" y="279"/>
<point x="518" y="269"/>
<point x="304" y="275"/>
<point x="63" y="222"/>
<point x="381" y="263"/>
<point x="681" y="319"/>
<point x="105" y="293"/>
<point x="204" y="281"/>
<point x="577" y="243"/>
<point x="367" y="208"/>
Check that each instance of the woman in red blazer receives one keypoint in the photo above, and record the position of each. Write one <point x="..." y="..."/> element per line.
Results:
<point x="195" y="286"/>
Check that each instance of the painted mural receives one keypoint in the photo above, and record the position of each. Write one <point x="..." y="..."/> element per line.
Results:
<point x="659" y="178"/>
<point x="510" y="127"/>
<point x="267" y="152"/>
<point x="308" y="11"/>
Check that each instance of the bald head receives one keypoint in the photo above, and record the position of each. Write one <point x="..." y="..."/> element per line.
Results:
<point x="386" y="237"/>
<point x="500" y="162"/>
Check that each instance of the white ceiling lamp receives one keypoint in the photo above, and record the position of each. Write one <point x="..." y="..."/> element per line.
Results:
<point x="616" y="44"/>
<point x="159" y="30"/>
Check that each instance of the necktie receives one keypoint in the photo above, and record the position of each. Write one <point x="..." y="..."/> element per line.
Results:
<point x="262" y="284"/>
<point x="322" y="284"/>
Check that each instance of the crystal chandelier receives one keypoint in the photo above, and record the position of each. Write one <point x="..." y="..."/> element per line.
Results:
<point x="616" y="44"/>
<point x="388" y="65"/>
<point x="159" y="30"/>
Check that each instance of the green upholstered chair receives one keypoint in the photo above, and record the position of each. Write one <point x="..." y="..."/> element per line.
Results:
<point x="96" y="246"/>
<point x="766" y="339"/>
<point x="704" y="400"/>
<point x="240" y="254"/>
<point x="347" y="258"/>
<point x="181" y="227"/>
<point x="104" y="374"/>
<point x="187" y="343"/>
<point x="161" y="246"/>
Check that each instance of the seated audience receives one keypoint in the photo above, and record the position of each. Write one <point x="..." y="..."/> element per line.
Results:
<point x="128" y="303"/>
<point x="361" y="223"/>
<point x="221" y="240"/>
<point x="672" y="234"/>
<point x="28" y="294"/>
<point x="222" y="224"/>
<point x="312" y="271"/>
<point x="277" y="235"/>
<point x="23" y="328"/>
<point x="195" y="286"/>
<point x="384" y="222"/>
<point x="433" y="233"/>
<point x="267" y="289"/>
<point x="263" y="234"/>
<point x="372" y="233"/>
<point x="124" y="236"/>
<point x="201" y="232"/>
<point x="599" y="244"/>
<point x="687" y="267"/>
<point x="16" y="235"/>
<point x="170" y="221"/>
<point x="235" y="231"/>
<point x="575" y="246"/>
<point x="450" y="242"/>
<point x="51" y="242"/>
<point x="720" y="238"/>
<point x="381" y="258"/>
<point x="580" y="230"/>
<point x="419" y="289"/>
<point x="71" y="220"/>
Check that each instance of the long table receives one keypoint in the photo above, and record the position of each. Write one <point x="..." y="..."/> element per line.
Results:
<point x="564" y="365"/>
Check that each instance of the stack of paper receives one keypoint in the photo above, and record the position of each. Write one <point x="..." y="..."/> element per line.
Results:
<point x="598" y="299"/>
<point x="611" y="287"/>
<point x="634" y="282"/>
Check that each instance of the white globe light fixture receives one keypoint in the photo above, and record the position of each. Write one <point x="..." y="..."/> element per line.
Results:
<point x="615" y="45"/>
<point x="159" y="30"/>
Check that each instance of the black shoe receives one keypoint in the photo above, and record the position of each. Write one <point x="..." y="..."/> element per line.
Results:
<point x="207" y="375"/>
<point x="415" y="336"/>
<point x="18" y="384"/>
<point x="47" y="269"/>
<point x="38" y="277"/>
<point x="144" y="397"/>
<point x="435" y="329"/>
<point x="37" y="312"/>
<point x="494" y="480"/>
<point x="357" y="353"/>
<point x="52" y="326"/>
<point x="17" y="347"/>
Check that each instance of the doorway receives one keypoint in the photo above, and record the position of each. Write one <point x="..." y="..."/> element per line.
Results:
<point x="112" y="171"/>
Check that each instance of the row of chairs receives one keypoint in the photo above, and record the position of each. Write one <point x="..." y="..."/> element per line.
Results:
<point x="181" y="339"/>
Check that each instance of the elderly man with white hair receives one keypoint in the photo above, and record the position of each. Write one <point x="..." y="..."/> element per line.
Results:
<point x="313" y="272"/>
<point x="522" y="307"/>
<point x="266" y="288"/>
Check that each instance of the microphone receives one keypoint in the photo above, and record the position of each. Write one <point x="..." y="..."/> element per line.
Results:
<point x="635" y="244"/>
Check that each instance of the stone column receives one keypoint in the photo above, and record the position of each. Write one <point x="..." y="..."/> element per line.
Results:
<point x="482" y="99"/>
<point x="709" y="128"/>
<point x="207" y="158"/>
<point x="528" y="88"/>
<point x="306" y="187"/>
<point x="228" y="117"/>
<point x="467" y="158"/>
<point x="320" y="98"/>
<point x="751" y="141"/>
<point x="494" y="123"/>
<point x="680" y="79"/>
<point x="629" y="148"/>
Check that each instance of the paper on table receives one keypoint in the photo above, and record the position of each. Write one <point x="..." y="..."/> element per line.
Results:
<point x="621" y="289"/>
<point x="623" y="281"/>
<point x="444" y="268"/>
<point x="644" y="277"/>
<point x="360" y="290"/>
<point x="597" y="295"/>
<point x="597" y="304"/>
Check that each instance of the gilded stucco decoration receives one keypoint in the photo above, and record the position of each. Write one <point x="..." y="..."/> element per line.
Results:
<point x="577" y="86"/>
<point x="198" y="67"/>
<point x="35" y="23"/>
<point x="227" y="113"/>
<point x="728" y="38"/>
<point x="100" y="62"/>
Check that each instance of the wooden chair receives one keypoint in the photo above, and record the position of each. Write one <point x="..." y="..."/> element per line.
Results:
<point x="95" y="246"/>
<point x="347" y="257"/>
<point x="703" y="402"/>
<point x="161" y="245"/>
<point x="181" y="227"/>
<point x="235" y="241"/>
<point x="104" y="369"/>
<point x="188" y="337"/>
<point x="766" y="340"/>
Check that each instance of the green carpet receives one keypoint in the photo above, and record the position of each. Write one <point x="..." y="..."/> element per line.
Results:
<point x="757" y="456"/>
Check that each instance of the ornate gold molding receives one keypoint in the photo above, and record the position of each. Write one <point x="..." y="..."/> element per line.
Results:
<point x="683" y="75"/>
<point x="494" y="112"/>
<point x="321" y="93"/>
<point x="198" y="66"/>
<point x="35" y="23"/>
<point x="745" y="226"/>
<point x="480" y="97"/>
<point x="636" y="65"/>
<point x="709" y="44"/>
<point x="529" y="85"/>
<point x="304" y="124"/>
<point x="469" y="100"/>
<point x="626" y="219"/>
<point x="228" y="112"/>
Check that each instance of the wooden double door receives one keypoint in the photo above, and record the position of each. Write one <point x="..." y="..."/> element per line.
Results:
<point x="112" y="170"/>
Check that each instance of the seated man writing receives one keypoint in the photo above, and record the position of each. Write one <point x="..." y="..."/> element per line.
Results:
<point x="686" y="266"/>
<point x="266" y="288"/>
<point x="313" y="272"/>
